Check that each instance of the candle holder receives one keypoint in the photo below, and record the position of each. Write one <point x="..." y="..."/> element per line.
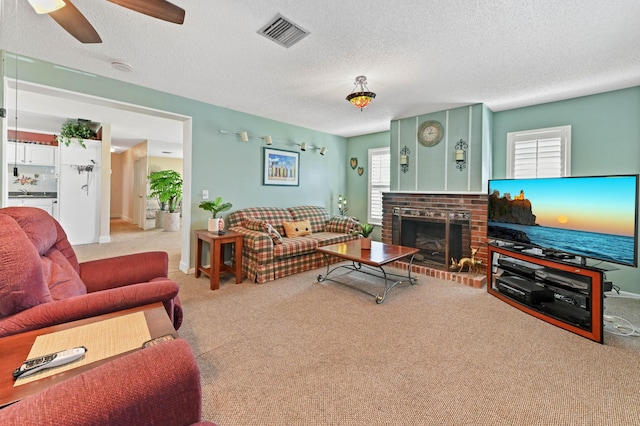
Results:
<point x="404" y="159"/>
<point x="461" y="155"/>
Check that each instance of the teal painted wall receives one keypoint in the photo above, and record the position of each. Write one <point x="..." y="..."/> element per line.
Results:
<point x="434" y="169"/>
<point x="605" y="139"/>
<point x="221" y="163"/>
<point x="358" y="186"/>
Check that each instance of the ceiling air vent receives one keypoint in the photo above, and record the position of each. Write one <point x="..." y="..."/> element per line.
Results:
<point x="283" y="31"/>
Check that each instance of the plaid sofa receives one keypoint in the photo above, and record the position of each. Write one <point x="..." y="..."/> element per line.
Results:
<point x="267" y="253"/>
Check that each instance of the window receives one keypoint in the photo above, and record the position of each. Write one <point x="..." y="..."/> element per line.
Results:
<point x="379" y="182"/>
<point x="539" y="153"/>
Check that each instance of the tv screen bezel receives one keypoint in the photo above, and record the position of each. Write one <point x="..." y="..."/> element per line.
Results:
<point x="578" y="255"/>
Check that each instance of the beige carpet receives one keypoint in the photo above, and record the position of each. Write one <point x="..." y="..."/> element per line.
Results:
<point x="299" y="352"/>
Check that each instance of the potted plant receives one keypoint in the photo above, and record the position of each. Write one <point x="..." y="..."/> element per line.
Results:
<point x="365" y="230"/>
<point x="216" y="206"/>
<point x="79" y="130"/>
<point x="167" y="186"/>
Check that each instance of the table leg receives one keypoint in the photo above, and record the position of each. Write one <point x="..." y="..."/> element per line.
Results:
<point x="198" y="255"/>
<point x="215" y="255"/>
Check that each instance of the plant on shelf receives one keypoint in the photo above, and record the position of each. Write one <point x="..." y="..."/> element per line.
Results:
<point x="167" y="186"/>
<point x="216" y="206"/>
<point x="79" y="130"/>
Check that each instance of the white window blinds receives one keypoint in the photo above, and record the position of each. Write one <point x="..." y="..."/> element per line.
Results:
<point x="379" y="182"/>
<point x="539" y="153"/>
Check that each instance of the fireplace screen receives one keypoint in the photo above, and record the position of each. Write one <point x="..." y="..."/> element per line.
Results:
<point x="440" y="235"/>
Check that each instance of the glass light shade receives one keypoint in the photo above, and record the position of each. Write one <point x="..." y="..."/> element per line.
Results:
<point x="361" y="99"/>
<point x="46" y="6"/>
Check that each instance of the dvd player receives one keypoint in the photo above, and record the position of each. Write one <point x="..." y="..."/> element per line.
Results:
<point x="565" y="279"/>
<point x="568" y="313"/>
<point x="523" y="289"/>
<point x="518" y="266"/>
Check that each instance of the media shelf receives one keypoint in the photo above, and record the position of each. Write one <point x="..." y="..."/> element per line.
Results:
<point x="562" y="293"/>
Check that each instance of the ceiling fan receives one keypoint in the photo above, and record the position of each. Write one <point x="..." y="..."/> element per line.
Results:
<point x="74" y="22"/>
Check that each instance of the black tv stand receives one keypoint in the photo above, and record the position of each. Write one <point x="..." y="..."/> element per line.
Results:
<point x="555" y="289"/>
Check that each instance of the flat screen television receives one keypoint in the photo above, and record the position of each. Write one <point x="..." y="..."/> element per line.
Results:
<point x="592" y="217"/>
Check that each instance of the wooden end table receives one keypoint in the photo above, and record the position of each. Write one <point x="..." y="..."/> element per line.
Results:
<point x="15" y="349"/>
<point x="374" y="259"/>
<point x="216" y="255"/>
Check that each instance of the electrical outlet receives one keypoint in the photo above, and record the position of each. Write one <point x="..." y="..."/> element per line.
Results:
<point x="205" y="194"/>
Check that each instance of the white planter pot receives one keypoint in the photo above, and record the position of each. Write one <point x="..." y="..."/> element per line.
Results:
<point x="215" y="225"/>
<point x="160" y="219"/>
<point x="171" y="222"/>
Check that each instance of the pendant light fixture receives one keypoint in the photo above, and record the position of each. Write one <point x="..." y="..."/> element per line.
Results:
<point x="46" y="6"/>
<point x="360" y="96"/>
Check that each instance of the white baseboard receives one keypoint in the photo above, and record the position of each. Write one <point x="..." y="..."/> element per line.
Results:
<point x="624" y="294"/>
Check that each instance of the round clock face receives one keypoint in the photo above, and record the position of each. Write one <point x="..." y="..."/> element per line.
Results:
<point x="430" y="133"/>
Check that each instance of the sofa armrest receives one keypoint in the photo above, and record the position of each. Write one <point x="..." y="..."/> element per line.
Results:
<point x="255" y="240"/>
<point x="120" y="271"/>
<point x="159" y="385"/>
<point x="91" y="304"/>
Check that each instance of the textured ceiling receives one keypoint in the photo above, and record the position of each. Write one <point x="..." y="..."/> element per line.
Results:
<point x="419" y="56"/>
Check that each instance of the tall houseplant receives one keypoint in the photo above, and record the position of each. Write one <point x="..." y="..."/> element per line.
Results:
<point x="166" y="185"/>
<point x="216" y="206"/>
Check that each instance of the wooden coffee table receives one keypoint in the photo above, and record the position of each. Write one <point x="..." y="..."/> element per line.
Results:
<point x="369" y="261"/>
<point x="14" y="350"/>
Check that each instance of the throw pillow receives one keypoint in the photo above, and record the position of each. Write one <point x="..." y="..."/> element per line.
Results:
<point x="297" y="229"/>
<point x="262" y="226"/>
<point x="341" y="224"/>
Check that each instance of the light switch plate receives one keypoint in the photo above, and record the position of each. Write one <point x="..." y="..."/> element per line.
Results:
<point x="205" y="194"/>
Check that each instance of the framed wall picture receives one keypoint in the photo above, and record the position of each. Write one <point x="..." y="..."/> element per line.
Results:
<point x="281" y="167"/>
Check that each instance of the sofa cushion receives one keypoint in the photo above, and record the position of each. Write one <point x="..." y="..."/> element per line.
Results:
<point x="297" y="229"/>
<point x="295" y="247"/>
<point x="317" y="216"/>
<point x="341" y="224"/>
<point x="22" y="284"/>
<point x="262" y="226"/>
<point x="272" y="215"/>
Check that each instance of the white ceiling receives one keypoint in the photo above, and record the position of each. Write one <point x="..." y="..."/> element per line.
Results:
<point x="419" y="56"/>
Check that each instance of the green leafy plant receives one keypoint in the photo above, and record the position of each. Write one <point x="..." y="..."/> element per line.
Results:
<point x="166" y="185"/>
<point x="75" y="129"/>
<point x="216" y="206"/>
<point x="365" y="230"/>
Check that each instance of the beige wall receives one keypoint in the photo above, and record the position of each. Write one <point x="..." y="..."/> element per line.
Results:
<point x="116" y="185"/>
<point x="162" y="163"/>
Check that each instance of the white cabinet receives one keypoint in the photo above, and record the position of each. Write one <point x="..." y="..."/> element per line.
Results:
<point x="32" y="154"/>
<point x="50" y="205"/>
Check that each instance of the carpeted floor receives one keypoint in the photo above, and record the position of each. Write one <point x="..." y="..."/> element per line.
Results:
<point x="298" y="352"/>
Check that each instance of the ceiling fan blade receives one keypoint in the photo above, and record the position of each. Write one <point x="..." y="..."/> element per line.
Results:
<point x="160" y="9"/>
<point x="72" y="20"/>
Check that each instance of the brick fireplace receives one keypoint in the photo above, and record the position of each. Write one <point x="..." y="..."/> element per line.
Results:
<point x="443" y="226"/>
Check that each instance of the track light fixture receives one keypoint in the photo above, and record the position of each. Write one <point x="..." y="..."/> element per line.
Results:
<point x="268" y="140"/>
<point x="323" y="150"/>
<point x="303" y="147"/>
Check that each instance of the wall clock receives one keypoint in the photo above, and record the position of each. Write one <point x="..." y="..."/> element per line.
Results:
<point x="430" y="133"/>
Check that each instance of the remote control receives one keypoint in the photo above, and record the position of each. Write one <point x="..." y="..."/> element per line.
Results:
<point x="33" y="365"/>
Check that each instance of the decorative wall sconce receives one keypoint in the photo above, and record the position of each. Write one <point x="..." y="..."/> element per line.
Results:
<point x="461" y="155"/>
<point x="268" y="140"/>
<point x="404" y="159"/>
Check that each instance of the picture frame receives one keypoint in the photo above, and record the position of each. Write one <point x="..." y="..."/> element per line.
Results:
<point x="280" y="167"/>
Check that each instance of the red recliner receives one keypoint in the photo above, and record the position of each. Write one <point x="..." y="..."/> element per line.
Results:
<point x="42" y="283"/>
<point x="159" y="385"/>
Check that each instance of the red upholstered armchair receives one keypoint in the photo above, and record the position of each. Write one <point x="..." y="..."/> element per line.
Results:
<point x="159" y="385"/>
<point x="42" y="283"/>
